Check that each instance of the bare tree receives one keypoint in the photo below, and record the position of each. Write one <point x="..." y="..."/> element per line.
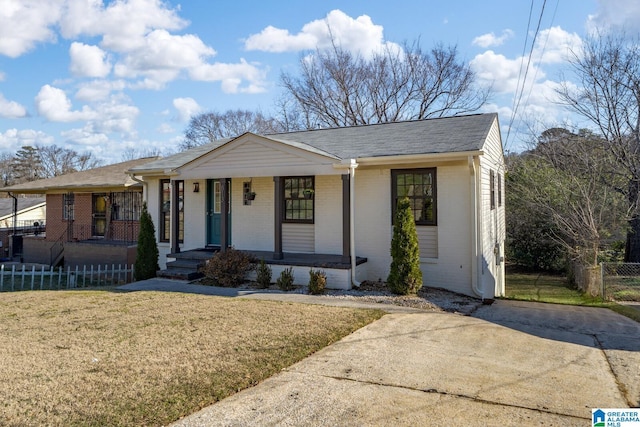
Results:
<point x="339" y="88"/>
<point x="608" y="96"/>
<point x="208" y="127"/>
<point x="133" y="153"/>
<point x="565" y="180"/>
<point x="55" y="160"/>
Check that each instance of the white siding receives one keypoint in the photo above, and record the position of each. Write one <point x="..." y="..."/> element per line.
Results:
<point x="152" y="197"/>
<point x="328" y="214"/>
<point x="492" y="220"/>
<point x="445" y="249"/>
<point x="195" y="227"/>
<point x="298" y="238"/>
<point x="428" y="241"/>
<point x="373" y="220"/>
<point x="252" y="226"/>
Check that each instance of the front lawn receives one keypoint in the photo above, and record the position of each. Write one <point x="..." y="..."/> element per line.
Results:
<point x="96" y="358"/>
<point x="556" y="289"/>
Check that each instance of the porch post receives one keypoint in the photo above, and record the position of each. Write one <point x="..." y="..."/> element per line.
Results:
<point x="346" y="218"/>
<point x="224" y="208"/>
<point x="278" y="202"/>
<point x="175" y="217"/>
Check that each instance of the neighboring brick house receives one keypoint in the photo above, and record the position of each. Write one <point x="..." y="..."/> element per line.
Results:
<point x="92" y="217"/>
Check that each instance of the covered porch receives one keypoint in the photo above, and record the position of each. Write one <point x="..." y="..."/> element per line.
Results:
<point x="186" y="265"/>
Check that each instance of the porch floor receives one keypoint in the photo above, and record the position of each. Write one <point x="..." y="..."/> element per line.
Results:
<point x="289" y="258"/>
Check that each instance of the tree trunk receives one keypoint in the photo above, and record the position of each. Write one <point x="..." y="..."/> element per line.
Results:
<point x="632" y="249"/>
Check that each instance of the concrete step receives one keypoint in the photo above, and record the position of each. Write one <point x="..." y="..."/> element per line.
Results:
<point x="180" y="274"/>
<point x="193" y="264"/>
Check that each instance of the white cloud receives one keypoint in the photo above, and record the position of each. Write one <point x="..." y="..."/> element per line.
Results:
<point x="231" y="76"/>
<point x="616" y="14"/>
<point x="88" y="61"/>
<point x="499" y="71"/>
<point x="11" y="109"/>
<point x="99" y="90"/>
<point x="86" y="136"/>
<point x="162" y="56"/>
<point x="122" y="24"/>
<point x="24" y="23"/>
<point x="13" y="138"/>
<point x="491" y="40"/>
<point x="165" y="128"/>
<point x="358" y="35"/>
<point x="555" y="45"/>
<point x="187" y="107"/>
<point x="52" y="103"/>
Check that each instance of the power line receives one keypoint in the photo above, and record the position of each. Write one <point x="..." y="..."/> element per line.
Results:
<point x="518" y="97"/>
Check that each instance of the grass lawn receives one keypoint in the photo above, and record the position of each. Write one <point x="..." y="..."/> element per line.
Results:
<point x="96" y="358"/>
<point x="556" y="289"/>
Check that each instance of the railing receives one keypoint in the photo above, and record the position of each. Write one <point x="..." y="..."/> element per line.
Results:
<point x="117" y="231"/>
<point x="34" y="227"/>
<point x="21" y="278"/>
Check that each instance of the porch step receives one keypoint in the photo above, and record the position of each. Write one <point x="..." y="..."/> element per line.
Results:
<point x="186" y="265"/>
<point x="179" y="274"/>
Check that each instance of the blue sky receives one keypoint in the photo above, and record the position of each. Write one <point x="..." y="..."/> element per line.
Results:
<point x="116" y="76"/>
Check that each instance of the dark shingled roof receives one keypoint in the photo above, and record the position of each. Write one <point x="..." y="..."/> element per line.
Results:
<point x="102" y="177"/>
<point x="430" y="136"/>
<point x="6" y="204"/>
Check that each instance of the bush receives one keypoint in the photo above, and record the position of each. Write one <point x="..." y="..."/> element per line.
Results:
<point x="263" y="275"/>
<point x="405" y="276"/>
<point x="317" y="281"/>
<point x="229" y="268"/>
<point x="146" y="265"/>
<point x="285" y="281"/>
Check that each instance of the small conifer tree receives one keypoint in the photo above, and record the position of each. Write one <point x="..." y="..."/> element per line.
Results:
<point x="405" y="276"/>
<point x="147" y="253"/>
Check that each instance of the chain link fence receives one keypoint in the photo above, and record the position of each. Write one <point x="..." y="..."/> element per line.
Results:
<point x="620" y="281"/>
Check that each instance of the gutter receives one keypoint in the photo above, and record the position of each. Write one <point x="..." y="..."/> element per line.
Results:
<point x="417" y="158"/>
<point x="476" y="226"/>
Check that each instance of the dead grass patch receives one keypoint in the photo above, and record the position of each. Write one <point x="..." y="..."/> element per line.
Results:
<point x="96" y="358"/>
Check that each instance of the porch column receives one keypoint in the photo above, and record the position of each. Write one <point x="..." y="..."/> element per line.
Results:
<point x="224" y="208"/>
<point x="175" y="217"/>
<point x="278" y="202"/>
<point x="346" y="218"/>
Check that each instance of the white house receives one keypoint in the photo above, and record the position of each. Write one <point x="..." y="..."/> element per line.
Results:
<point x="325" y="198"/>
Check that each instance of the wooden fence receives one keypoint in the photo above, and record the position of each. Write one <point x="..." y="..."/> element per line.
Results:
<point x="21" y="278"/>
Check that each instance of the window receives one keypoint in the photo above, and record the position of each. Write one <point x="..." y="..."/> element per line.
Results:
<point x="492" y="185"/>
<point x="419" y="185"/>
<point x="126" y="206"/>
<point x="165" y="211"/>
<point x="298" y="199"/>
<point x="499" y="190"/>
<point x="68" y="207"/>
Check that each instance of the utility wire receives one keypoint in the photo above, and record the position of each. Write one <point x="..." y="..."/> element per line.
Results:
<point x="518" y="97"/>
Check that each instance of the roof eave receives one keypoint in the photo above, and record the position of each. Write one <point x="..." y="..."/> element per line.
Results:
<point x="418" y="158"/>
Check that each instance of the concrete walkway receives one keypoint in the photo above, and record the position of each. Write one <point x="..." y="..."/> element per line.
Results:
<point x="511" y="363"/>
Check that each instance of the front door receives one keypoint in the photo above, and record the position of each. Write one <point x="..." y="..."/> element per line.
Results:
<point x="99" y="222"/>
<point x="214" y="211"/>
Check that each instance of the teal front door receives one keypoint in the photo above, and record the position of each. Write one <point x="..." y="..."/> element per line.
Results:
<point x="214" y="211"/>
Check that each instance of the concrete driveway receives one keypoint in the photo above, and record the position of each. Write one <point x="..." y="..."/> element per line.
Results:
<point x="511" y="363"/>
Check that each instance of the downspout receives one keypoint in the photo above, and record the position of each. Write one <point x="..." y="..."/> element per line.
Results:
<point x="352" y="221"/>
<point x="145" y="192"/>
<point x="15" y="210"/>
<point x="474" y="191"/>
